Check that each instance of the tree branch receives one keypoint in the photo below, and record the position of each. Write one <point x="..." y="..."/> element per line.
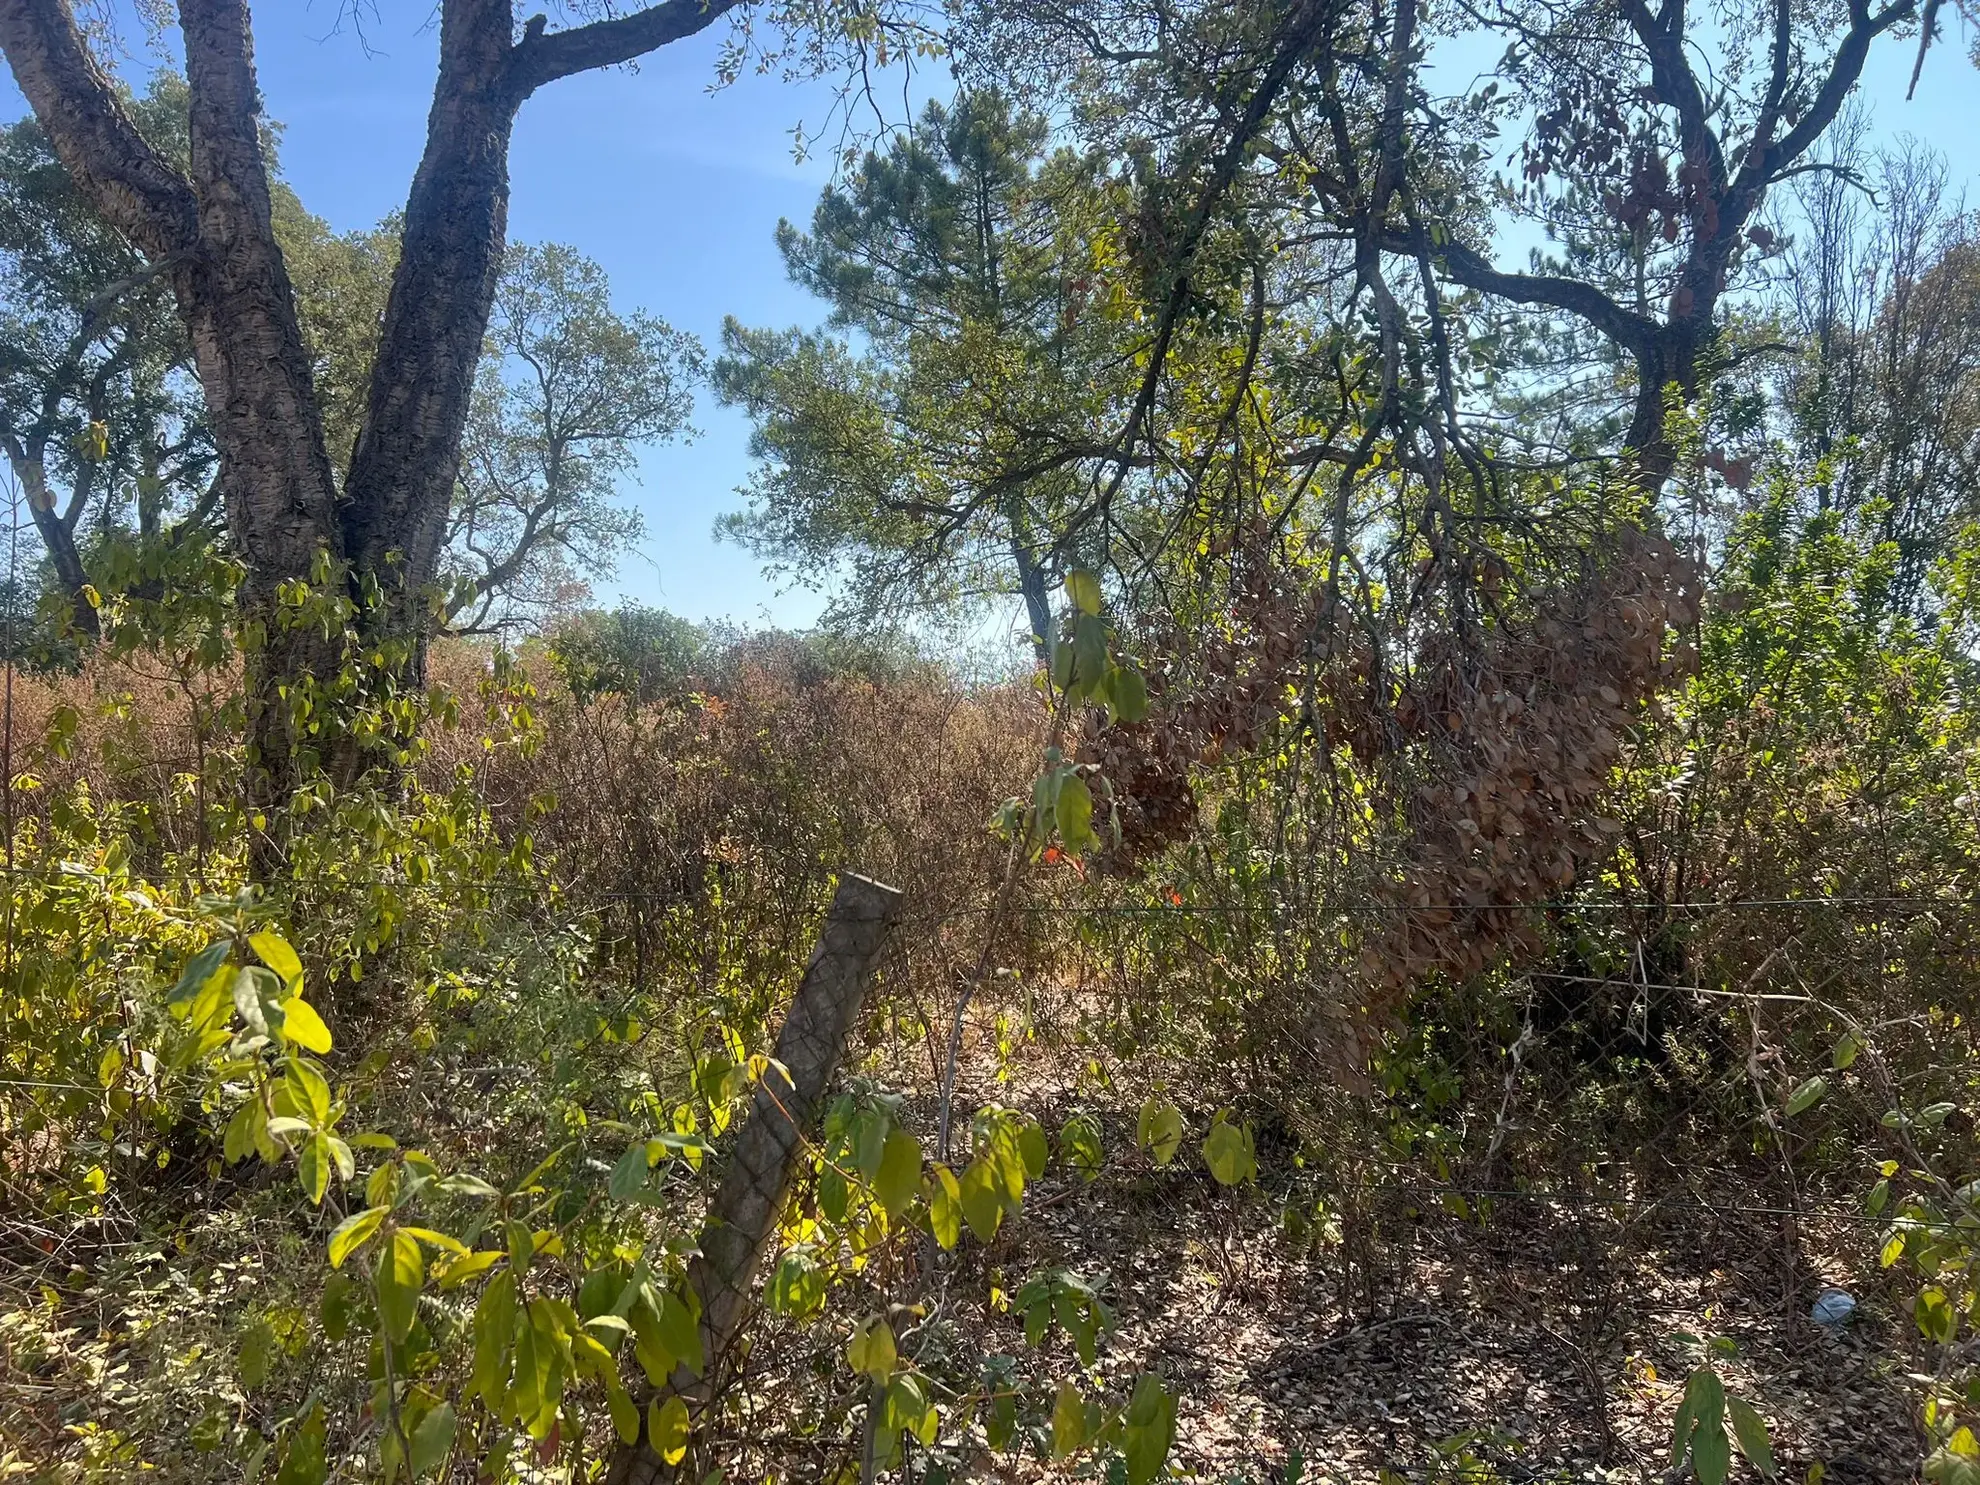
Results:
<point x="542" y="57"/>
<point x="1470" y="268"/>
<point x="1764" y="165"/>
<point x="1671" y="74"/>
<point x="131" y="184"/>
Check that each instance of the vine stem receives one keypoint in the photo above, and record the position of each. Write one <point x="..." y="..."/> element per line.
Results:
<point x="7" y="706"/>
<point x="1013" y="861"/>
<point x="990" y="925"/>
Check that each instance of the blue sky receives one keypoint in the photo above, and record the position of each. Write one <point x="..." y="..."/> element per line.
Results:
<point x="677" y="191"/>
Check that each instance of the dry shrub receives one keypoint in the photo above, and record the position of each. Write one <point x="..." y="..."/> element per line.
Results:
<point x="704" y="833"/>
<point x="151" y="738"/>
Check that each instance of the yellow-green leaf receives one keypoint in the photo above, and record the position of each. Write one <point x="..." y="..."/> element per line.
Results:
<point x="625" y="1416"/>
<point x="401" y="1272"/>
<point x="275" y="952"/>
<point x="1073" y="813"/>
<point x="1072" y="1422"/>
<point x="433" y="1439"/>
<point x="1227" y="1150"/>
<point x="1084" y="590"/>
<point x="982" y="1199"/>
<point x="352" y="1232"/>
<point x="494" y="1328"/>
<point x="667" y="1429"/>
<point x="899" y="1175"/>
<point x="680" y="1332"/>
<point x="1159" y="1131"/>
<point x="301" y="1025"/>
<point x="310" y="1090"/>
<point x="313" y="1166"/>
<point x="1750" y="1433"/>
<point x="1127" y="689"/>
<point x="871" y="1350"/>
<point x="945" y="1212"/>
<point x="468" y="1265"/>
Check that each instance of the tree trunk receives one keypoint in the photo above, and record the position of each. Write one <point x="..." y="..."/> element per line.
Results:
<point x="381" y="535"/>
<point x="1031" y="583"/>
<point x="401" y="484"/>
<point x="59" y="537"/>
<point x="744" y="1217"/>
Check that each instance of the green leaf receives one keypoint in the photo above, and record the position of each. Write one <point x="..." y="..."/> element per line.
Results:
<point x="1083" y="588"/>
<point x="1711" y="1453"/>
<point x="832" y="1193"/>
<point x="1127" y="690"/>
<point x="680" y="1332"/>
<point x="1089" y="653"/>
<point x="1846" y="1051"/>
<point x="1074" y="1422"/>
<point x="1681" y="1429"/>
<point x="337" y="1305"/>
<point x="1750" y="1433"/>
<point x="1807" y="1096"/>
<point x="467" y="1266"/>
<point x="1227" y="1150"/>
<point x="278" y="956"/>
<point x="199" y="969"/>
<point x="306" y="1462"/>
<point x="1033" y="1148"/>
<point x="945" y="1212"/>
<point x="797" y="1287"/>
<point x="667" y="1429"/>
<point x="1074" y="814"/>
<point x="1159" y="1130"/>
<point x="982" y="1197"/>
<point x="1148" y="1429"/>
<point x="908" y="1407"/>
<point x="1707" y="1396"/>
<point x="494" y="1330"/>
<point x="1947" y="1466"/>
<point x="521" y="1244"/>
<point x="654" y="1357"/>
<point x="310" y="1090"/>
<point x="352" y="1233"/>
<point x="549" y="1346"/>
<point x="313" y="1167"/>
<point x="257" y="997"/>
<point x="899" y="1176"/>
<point x="629" y="1175"/>
<point x="1936" y="1317"/>
<point x="625" y="1414"/>
<point x="1079" y="1138"/>
<point x="301" y="1025"/>
<point x="1062" y="663"/>
<point x="401" y="1272"/>
<point x="871" y="1351"/>
<point x="433" y="1440"/>
<point x="257" y="1352"/>
<point x="869" y="1140"/>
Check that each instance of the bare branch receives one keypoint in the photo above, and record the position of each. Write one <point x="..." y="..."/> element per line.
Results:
<point x="544" y="56"/>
